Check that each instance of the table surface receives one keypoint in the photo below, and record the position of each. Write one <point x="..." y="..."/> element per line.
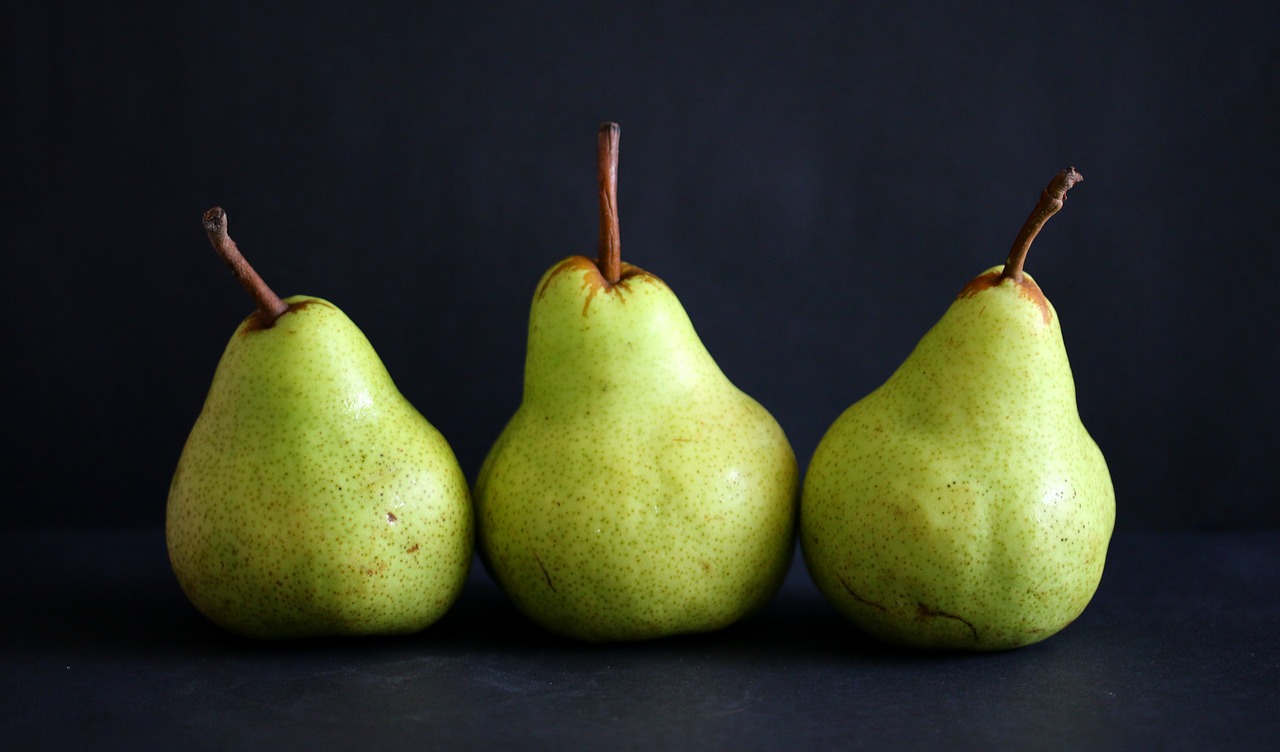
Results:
<point x="1180" y="649"/>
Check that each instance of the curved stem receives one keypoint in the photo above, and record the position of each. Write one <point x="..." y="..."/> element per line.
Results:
<point x="1051" y="200"/>
<point x="270" y="306"/>
<point x="610" y="253"/>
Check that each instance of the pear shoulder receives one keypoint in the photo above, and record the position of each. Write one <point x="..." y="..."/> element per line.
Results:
<point x="1027" y="289"/>
<point x="257" y="321"/>
<point x="583" y="274"/>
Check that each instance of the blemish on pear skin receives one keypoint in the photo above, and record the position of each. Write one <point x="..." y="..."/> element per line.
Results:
<point x="859" y="598"/>
<point x="592" y="286"/>
<point x="550" y="584"/>
<point x="391" y="517"/>
<point x="924" y="612"/>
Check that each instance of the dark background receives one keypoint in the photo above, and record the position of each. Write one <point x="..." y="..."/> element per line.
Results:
<point x="815" y="180"/>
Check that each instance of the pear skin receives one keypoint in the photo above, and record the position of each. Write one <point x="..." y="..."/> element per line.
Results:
<point x="311" y="498"/>
<point x="636" y="493"/>
<point x="962" y="504"/>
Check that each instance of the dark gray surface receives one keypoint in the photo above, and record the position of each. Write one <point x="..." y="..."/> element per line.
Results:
<point x="1179" y="650"/>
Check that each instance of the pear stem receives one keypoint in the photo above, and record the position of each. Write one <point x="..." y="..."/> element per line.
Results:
<point x="270" y="306"/>
<point x="1051" y="200"/>
<point x="610" y="253"/>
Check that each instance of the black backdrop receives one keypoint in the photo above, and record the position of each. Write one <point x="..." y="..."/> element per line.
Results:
<point x="815" y="180"/>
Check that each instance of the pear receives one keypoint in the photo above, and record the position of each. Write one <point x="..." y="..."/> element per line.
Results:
<point x="962" y="504"/>
<point x="311" y="498"/>
<point x="636" y="493"/>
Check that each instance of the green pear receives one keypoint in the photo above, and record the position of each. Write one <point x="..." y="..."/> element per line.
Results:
<point x="962" y="504"/>
<point x="311" y="498"/>
<point x="636" y="493"/>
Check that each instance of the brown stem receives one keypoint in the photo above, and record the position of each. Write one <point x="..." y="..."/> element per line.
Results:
<point x="270" y="306"/>
<point x="610" y="254"/>
<point x="1051" y="200"/>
